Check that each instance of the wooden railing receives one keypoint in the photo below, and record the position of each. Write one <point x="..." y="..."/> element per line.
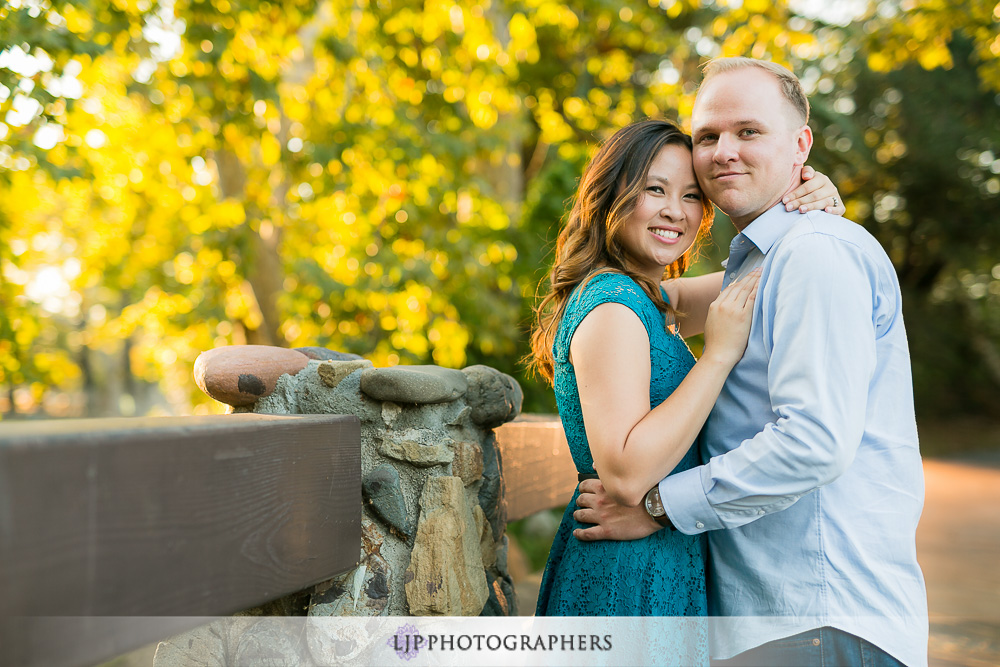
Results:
<point x="118" y="532"/>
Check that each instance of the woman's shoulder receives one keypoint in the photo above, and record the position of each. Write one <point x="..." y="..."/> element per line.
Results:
<point x="609" y="286"/>
<point x="606" y="287"/>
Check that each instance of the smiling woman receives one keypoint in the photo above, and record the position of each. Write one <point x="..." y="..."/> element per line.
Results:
<point x="602" y="340"/>
<point x="668" y="215"/>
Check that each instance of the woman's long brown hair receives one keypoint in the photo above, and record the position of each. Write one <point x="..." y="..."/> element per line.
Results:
<point x="590" y="242"/>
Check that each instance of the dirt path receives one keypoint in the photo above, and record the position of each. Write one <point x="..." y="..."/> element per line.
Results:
<point x="958" y="544"/>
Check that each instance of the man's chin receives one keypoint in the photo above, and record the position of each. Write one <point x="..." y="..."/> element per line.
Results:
<point x="732" y="203"/>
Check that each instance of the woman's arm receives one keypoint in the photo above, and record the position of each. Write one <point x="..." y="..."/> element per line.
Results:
<point x="691" y="298"/>
<point x="634" y="447"/>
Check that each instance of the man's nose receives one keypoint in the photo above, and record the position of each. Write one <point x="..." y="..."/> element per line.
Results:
<point x="725" y="149"/>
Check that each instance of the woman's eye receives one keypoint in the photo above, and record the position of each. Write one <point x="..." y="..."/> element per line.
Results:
<point x="656" y="189"/>
<point x="693" y="197"/>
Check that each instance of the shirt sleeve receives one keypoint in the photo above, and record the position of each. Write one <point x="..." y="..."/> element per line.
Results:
<point x="817" y="325"/>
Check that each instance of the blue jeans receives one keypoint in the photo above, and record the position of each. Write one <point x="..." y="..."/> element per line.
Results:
<point x="822" y="647"/>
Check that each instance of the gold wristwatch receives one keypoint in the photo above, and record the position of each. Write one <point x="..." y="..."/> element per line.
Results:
<point x="654" y="507"/>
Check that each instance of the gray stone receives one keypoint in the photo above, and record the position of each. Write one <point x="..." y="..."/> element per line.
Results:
<point x="365" y="590"/>
<point x="497" y="604"/>
<point x="502" y="549"/>
<point x="283" y="400"/>
<point x="495" y="397"/>
<point x="323" y="354"/>
<point x="333" y="372"/>
<point x="420" y="446"/>
<point x="446" y="576"/>
<point x="381" y="489"/>
<point x="491" y="493"/>
<point x="315" y="397"/>
<point x="414" y="384"/>
<point x="509" y="592"/>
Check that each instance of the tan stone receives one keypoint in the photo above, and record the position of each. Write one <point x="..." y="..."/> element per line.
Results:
<point x="239" y="375"/>
<point x="419" y="446"/>
<point x="468" y="463"/>
<point x="332" y="372"/>
<point x="446" y="576"/>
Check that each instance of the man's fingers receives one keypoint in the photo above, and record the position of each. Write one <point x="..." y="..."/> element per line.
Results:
<point x="589" y="534"/>
<point x="585" y="500"/>
<point x="591" y="486"/>
<point x="586" y="516"/>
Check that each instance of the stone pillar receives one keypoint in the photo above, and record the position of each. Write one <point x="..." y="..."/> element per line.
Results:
<point x="434" y="514"/>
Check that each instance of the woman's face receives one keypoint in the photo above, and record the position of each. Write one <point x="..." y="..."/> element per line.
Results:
<point x="665" y="222"/>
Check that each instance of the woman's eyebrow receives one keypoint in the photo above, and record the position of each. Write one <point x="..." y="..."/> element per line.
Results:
<point x="663" y="179"/>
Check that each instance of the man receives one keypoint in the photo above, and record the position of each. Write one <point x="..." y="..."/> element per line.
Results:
<point x="812" y="486"/>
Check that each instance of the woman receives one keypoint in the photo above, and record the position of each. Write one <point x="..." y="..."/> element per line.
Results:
<point x="631" y="396"/>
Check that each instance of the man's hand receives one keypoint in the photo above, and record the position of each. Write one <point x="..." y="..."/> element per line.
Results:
<point x="614" y="521"/>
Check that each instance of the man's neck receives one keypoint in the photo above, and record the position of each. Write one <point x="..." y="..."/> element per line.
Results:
<point x="744" y="222"/>
<point x="793" y="182"/>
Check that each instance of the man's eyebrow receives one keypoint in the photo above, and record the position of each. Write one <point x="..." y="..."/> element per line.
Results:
<point x="708" y="129"/>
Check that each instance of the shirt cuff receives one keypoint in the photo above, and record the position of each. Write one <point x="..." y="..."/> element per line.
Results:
<point x="684" y="500"/>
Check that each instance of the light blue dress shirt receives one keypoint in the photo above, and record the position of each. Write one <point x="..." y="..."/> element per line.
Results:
<point x="813" y="484"/>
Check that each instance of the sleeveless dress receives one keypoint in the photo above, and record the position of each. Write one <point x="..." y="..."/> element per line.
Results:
<point x="662" y="574"/>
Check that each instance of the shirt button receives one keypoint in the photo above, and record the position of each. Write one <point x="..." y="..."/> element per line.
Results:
<point x="760" y="512"/>
<point x="732" y="276"/>
<point x="699" y="525"/>
<point x="816" y="642"/>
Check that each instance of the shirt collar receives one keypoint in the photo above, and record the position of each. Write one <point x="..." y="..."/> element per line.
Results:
<point x="770" y="226"/>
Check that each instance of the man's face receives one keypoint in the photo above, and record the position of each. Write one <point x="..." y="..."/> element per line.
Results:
<point x="749" y="142"/>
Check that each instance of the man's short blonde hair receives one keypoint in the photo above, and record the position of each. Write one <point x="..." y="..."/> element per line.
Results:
<point x="791" y="87"/>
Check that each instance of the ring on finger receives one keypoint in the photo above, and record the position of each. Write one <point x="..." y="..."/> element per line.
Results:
<point x="836" y="202"/>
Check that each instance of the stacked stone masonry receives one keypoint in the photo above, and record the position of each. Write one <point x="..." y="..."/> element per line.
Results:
<point x="434" y="514"/>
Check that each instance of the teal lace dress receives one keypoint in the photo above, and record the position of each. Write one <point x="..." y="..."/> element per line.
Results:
<point x="660" y="575"/>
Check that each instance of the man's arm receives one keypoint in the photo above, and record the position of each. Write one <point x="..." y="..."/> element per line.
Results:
<point x="817" y="323"/>
<point x="822" y="359"/>
<point x="614" y="520"/>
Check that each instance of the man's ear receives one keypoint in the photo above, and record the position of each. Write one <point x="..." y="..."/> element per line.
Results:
<point x="803" y="144"/>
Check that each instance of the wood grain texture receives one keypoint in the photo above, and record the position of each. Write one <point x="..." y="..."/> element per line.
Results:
<point x="538" y="470"/>
<point x="192" y="516"/>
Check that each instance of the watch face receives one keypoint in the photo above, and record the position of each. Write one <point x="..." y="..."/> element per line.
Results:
<point x="653" y="504"/>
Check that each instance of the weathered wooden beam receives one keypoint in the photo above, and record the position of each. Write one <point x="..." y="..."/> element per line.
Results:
<point x="188" y="516"/>
<point x="538" y="470"/>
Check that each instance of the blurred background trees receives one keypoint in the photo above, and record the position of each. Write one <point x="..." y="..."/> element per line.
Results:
<point x="386" y="177"/>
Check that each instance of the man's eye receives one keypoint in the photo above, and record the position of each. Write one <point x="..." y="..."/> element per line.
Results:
<point x="706" y="139"/>
<point x="749" y="133"/>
